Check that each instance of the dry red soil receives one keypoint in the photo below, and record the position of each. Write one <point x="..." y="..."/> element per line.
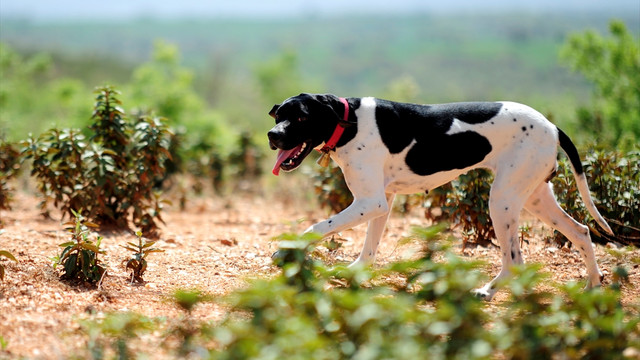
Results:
<point x="215" y="245"/>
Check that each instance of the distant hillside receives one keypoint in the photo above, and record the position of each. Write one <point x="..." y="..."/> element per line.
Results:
<point x="450" y="57"/>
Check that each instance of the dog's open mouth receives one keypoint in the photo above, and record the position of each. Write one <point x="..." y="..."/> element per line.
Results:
<point x="289" y="160"/>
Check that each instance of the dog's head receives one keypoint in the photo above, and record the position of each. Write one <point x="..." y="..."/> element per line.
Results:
<point x="303" y="123"/>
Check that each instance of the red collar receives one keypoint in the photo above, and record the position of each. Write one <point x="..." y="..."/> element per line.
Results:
<point x="337" y="133"/>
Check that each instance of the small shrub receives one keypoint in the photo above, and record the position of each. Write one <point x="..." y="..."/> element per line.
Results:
<point x="109" y="176"/>
<point x="79" y="256"/>
<point x="57" y="166"/>
<point x="138" y="261"/>
<point x="614" y="180"/>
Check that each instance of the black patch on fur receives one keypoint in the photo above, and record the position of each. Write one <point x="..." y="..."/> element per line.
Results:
<point x="434" y="151"/>
<point x="570" y="149"/>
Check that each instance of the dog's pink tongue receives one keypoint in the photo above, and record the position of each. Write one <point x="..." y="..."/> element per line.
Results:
<point x="282" y="156"/>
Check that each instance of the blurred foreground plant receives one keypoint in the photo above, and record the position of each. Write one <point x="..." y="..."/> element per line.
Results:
<point x="417" y="308"/>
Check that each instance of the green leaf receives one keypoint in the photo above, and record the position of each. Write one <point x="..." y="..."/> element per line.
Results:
<point x="8" y="255"/>
<point x="130" y="248"/>
<point x="90" y="247"/>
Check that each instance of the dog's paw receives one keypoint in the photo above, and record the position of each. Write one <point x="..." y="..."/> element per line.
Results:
<point x="483" y="293"/>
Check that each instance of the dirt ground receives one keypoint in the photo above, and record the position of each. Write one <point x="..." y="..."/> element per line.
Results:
<point x="215" y="245"/>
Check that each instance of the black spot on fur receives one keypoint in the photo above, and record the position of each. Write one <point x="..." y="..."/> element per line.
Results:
<point x="461" y="150"/>
<point x="401" y="123"/>
<point x="513" y="255"/>
<point x="524" y="128"/>
<point x="514" y="120"/>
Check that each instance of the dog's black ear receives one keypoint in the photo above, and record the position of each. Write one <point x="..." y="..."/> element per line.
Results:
<point x="272" y="113"/>
<point x="337" y="107"/>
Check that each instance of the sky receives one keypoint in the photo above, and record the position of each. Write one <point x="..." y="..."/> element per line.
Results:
<point x="63" y="10"/>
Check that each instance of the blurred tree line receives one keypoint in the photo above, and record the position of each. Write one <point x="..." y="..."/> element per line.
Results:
<point x="613" y="65"/>
<point x="33" y="97"/>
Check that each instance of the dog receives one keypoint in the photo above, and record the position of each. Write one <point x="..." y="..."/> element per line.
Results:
<point x="386" y="148"/>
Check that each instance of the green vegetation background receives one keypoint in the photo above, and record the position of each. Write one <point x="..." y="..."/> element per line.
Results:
<point x="220" y="76"/>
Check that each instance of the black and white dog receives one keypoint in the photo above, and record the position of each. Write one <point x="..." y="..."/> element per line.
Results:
<point x="386" y="148"/>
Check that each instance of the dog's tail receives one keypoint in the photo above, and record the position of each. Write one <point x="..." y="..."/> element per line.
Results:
<point x="581" y="180"/>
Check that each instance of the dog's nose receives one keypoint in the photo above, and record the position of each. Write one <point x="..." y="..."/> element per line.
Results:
<point x="274" y="136"/>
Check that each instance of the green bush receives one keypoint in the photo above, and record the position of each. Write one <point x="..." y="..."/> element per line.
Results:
<point x="109" y="176"/>
<point x="613" y="65"/>
<point x="614" y="180"/>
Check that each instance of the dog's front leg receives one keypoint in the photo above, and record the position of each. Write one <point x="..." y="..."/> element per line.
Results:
<point x="361" y="210"/>
<point x="374" y="234"/>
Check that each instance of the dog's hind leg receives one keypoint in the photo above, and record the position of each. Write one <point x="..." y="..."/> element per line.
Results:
<point x="543" y="204"/>
<point x="374" y="234"/>
<point x="505" y="210"/>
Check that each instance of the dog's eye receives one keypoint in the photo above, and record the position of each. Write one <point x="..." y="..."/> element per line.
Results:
<point x="301" y="119"/>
